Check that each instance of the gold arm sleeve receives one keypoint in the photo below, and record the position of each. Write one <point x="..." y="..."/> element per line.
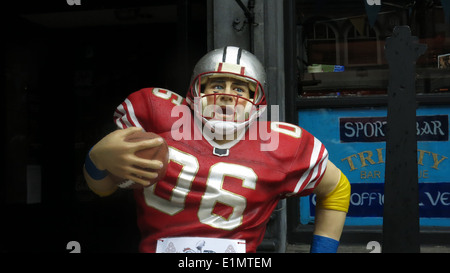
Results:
<point x="339" y="198"/>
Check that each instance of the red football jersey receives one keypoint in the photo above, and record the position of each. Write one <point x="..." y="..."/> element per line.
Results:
<point x="217" y="191"/>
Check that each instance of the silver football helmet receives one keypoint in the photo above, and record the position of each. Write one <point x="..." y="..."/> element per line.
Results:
<point x="228" y="62"/>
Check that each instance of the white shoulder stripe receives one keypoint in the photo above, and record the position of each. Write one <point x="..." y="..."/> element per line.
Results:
<point x="316" y="167"/>
<point x="318" y="171"/>
<point x="119" y="115"/>
<point x="126" y="116"/>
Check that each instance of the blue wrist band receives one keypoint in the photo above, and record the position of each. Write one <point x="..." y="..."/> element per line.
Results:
<point x="92" y="170"/>
<point x="321" y="244"/>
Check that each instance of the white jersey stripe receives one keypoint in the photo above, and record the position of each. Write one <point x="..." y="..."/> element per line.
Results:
<point x="122" y="120"/>
<point x="130" y="114"/>
<point x="125" y="116"/>
<point x="118" y="115"/>
<point x="319" y="170"/>
<point x="317" y="163"/>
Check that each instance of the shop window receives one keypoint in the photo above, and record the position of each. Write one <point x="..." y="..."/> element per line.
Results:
<point x="363" y="47"/>
<point x="322" y="46"/>
<point x="341" y="54"/>
<point x="343" y="81"/>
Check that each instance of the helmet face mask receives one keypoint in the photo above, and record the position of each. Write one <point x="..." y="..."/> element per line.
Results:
<point x="234" y="64"/>
<point x="237" y="111"/>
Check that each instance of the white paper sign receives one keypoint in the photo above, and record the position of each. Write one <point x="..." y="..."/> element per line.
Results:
<point x="199" y="245"/>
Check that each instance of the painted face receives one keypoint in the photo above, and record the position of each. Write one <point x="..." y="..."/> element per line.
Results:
<point x="226" y="98"/>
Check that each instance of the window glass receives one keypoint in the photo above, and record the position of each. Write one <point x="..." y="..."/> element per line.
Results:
<point x="342" y="54"/>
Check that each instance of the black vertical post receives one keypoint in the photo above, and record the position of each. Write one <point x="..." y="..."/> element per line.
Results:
<point x="401" y="195"/>
<point x="290" y="61"/>
<point x="182" y="68"/>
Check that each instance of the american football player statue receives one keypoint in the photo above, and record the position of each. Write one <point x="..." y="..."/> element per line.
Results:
<point x="224" y="177"/>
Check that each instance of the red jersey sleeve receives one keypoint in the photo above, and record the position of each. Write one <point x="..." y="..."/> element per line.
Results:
<point x="307" y="167"/>
<point x="148" y="108"/>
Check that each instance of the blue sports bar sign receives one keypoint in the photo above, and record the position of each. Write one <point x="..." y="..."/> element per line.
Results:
<point x="355" y="139"/>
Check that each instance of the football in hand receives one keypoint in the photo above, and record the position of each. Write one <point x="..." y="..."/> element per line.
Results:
<point x="160" y="153"/>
